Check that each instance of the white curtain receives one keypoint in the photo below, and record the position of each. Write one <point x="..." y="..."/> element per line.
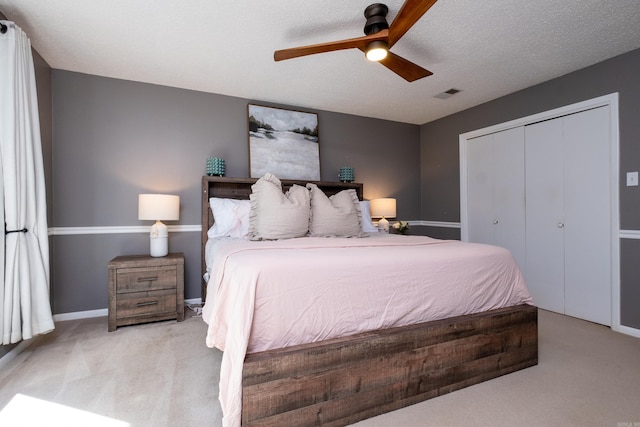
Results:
<point x="25" y="310"/>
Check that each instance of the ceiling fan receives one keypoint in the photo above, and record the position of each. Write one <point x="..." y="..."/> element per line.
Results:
<point x="379" y="38"/>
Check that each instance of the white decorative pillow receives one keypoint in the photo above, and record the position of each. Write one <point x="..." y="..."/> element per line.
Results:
<point x="231" y="218"/>
<point x="275" y="215"/>
<point x="367" y="224"/>
<point x="335" y="216"/>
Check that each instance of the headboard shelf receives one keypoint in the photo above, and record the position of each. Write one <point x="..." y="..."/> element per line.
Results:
<point x="240" y="188"/>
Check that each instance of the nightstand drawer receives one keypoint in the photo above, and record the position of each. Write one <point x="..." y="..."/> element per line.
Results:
<point x="142" y="303"/>
<point x="145" y="279"/>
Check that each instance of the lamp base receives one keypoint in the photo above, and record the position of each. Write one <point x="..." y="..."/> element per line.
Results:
<point x="383" y="225"/>
<point x="159" y="240"/>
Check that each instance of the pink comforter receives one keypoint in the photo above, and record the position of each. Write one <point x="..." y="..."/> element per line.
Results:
<point x="266" y="295"/>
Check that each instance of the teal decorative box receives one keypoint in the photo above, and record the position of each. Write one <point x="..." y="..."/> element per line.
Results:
<point x="215" y="166"/>
<point x="346" y="174"/>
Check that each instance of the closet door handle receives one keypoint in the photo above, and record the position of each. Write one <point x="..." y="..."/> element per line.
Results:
<point x="495" y="221"/>
<point x="560" y="225"/>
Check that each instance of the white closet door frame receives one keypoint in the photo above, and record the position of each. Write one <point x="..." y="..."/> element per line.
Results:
<point x="610" y="100"/>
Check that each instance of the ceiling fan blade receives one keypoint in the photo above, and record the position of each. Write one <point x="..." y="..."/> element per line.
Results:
<point x="405" y="69"/>
<point x="410" y="13"/>
<point x="358" y="42"/>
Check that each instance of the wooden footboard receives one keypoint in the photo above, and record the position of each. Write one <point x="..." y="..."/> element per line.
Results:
<point x="342" y="381"/>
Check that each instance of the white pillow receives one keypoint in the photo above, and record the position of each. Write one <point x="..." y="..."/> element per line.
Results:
<point x="335" y="216"/>
<point x="275" y="215"/>
<point x="231" y="218"/>
<point x="367" y="224"/>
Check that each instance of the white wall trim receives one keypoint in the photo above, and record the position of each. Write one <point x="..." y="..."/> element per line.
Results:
<point x="442" y="224"/>
<point x="630" y="234"/>
<point x="67" y="231"/>
<point x="117" y="229"/>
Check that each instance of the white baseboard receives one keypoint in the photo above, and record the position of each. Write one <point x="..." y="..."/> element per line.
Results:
<point x="102" y="312"/>
<point x="629" y="234"/>
<point x="15" y="351"/>
<point x="626" y="330"/>
<point x="442" y="224"/>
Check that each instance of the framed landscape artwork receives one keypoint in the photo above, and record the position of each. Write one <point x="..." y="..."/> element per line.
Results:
<point x="284" y="143"/>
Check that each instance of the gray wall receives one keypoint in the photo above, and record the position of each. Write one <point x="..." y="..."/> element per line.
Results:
<point x="43" y="87"/>
<point x="114" y="139"/>
<point x="440" y="171"/>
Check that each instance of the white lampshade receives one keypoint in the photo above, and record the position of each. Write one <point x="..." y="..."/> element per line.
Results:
<point x="158" y="207"/>
<point x="383" y="208"/>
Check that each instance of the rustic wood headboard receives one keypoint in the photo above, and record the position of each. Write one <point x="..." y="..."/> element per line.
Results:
<point x="240" y="188"/>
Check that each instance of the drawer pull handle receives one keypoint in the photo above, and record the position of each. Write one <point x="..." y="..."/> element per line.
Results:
<point x="142" y="304"/>
<point x="147" y="279"/>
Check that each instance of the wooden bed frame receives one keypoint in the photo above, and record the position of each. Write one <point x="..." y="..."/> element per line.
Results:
<point x="345" y="380"/>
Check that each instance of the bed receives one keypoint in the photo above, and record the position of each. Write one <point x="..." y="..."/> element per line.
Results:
<point x="330" y="375"/>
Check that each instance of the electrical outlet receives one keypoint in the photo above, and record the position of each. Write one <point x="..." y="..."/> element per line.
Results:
<point x="632" y="179"/>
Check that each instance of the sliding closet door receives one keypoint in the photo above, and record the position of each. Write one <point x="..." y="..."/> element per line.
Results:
<point x="588" y="216"/>
<point x="545" y="214"/>
<point x="495" y="191"/>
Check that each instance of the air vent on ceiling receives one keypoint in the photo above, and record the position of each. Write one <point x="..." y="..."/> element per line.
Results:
<point x="447" y="93"/>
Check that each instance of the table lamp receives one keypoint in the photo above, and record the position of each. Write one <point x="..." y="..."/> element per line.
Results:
<point x="158" y="207"/>
<point x="383" y="208"/>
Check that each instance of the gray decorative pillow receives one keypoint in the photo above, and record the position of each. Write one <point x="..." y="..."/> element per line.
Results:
<point x="335" y="216"/>
<point x="275" y="215"/>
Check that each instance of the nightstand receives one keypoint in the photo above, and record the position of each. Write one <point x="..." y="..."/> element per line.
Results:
<point x="145" y="289"/>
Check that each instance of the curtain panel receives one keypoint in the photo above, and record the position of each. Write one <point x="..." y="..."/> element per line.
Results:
<point x="25" y="308"/>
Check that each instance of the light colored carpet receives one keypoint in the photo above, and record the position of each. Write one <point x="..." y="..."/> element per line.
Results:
<point x="162" y="374"/>
<point x="156" y="374"/>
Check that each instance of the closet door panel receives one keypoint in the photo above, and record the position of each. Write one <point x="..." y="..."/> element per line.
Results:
<point x="587" y="216"/>
<point x="508" y="192"/>
<point x="544" y="214"/>
<point x="563" y="167"/>
<point x="480" y="189"/>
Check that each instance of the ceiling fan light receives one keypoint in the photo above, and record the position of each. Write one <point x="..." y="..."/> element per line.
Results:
<point x="377" y="50"/>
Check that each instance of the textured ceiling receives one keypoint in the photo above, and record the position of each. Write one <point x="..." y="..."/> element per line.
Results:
<point x="486" y="49"/>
